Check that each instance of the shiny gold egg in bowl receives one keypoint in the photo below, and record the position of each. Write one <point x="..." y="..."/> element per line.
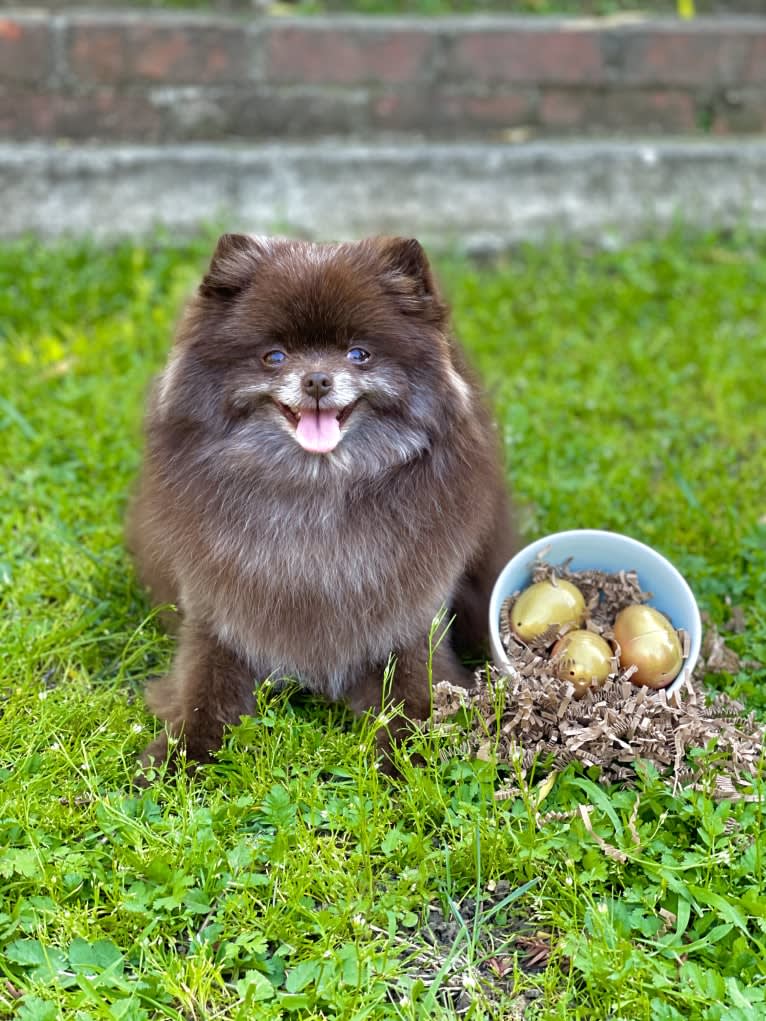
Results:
<point x="570" y="554"/>
<point x="649" y="642"/>
<point x="546" y="605"/>
<point x="584" y="659"/>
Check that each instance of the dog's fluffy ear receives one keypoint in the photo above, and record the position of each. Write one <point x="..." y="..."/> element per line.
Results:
<point x="406" y="256"/>
<point x="410" y="277"/>
<point x="234" y="265"/>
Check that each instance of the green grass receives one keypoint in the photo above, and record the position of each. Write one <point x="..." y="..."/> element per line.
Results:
<point x="291" y="880"/>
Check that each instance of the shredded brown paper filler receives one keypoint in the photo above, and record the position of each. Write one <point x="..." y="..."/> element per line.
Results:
<point x="528" y="717"/>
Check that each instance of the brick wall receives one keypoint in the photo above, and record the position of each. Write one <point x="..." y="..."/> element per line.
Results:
<point x="156" y="77"/>
<point x="580" y="8"/>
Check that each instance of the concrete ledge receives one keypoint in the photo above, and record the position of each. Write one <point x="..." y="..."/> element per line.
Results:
<point x="476" y="196"/>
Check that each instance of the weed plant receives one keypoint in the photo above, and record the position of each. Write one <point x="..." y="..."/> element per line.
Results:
<point x="290" y="879"/>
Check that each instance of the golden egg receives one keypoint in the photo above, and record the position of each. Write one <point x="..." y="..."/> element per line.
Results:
<point x="648" y="641"/>
<point x="583" y="658"/>
<point x="544" y="605"/>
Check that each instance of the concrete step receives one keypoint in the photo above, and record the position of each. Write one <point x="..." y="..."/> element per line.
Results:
<point x="476" y="196"/>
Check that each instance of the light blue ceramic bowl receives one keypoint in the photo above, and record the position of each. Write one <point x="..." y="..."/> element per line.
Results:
<point x="606" y="551"/>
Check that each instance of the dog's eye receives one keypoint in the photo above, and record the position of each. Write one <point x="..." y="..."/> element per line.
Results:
<point x="358" y="355"/>
<point x="275" y="358"/>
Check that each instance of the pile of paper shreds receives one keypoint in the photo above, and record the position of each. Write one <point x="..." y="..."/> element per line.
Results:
<point x="529" y="718"/>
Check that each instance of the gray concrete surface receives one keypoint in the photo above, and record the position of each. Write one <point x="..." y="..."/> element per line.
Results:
<point x="477" y="196"/>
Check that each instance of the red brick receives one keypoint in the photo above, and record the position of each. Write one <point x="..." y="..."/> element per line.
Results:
<point x="103" y="115"/>
<point x="25" y="49"/>
<point x="441" y="113"/>
<point x="681" y="56"/>
<point x="618" y="110"/>
<point x="755" y="68"/>
<point x="111" y="51"/>
<point x="110" y="115"/>
<point x="453" y="114"/>
<point x="26" y="116"/>
<point x="327" y="55"/>
<point x="530" y="55"/>
<point x="495" y="111"/>
<point x="258" y="112"/>
<point x="568" y="110"/>
<point x="740" y="111"/>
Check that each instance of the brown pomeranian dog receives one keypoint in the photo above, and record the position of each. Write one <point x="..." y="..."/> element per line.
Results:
<point x="321" y="477"/>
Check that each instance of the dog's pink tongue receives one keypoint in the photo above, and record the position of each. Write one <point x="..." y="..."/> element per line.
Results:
<point x="318" y="430"/>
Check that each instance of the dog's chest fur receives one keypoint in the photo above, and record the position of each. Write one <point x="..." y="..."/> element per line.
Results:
<point x="319" y="587"/>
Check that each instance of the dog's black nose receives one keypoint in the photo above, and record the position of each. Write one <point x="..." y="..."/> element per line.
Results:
<point x="317" y="384"/>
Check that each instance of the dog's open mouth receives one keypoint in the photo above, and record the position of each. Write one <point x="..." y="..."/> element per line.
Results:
<point x="318" y="430"/>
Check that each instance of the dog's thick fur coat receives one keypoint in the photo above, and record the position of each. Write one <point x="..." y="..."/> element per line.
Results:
<point x="286" y="559"/>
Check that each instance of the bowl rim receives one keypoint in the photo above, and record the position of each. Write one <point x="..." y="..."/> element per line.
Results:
<point x="530" y="551"/>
